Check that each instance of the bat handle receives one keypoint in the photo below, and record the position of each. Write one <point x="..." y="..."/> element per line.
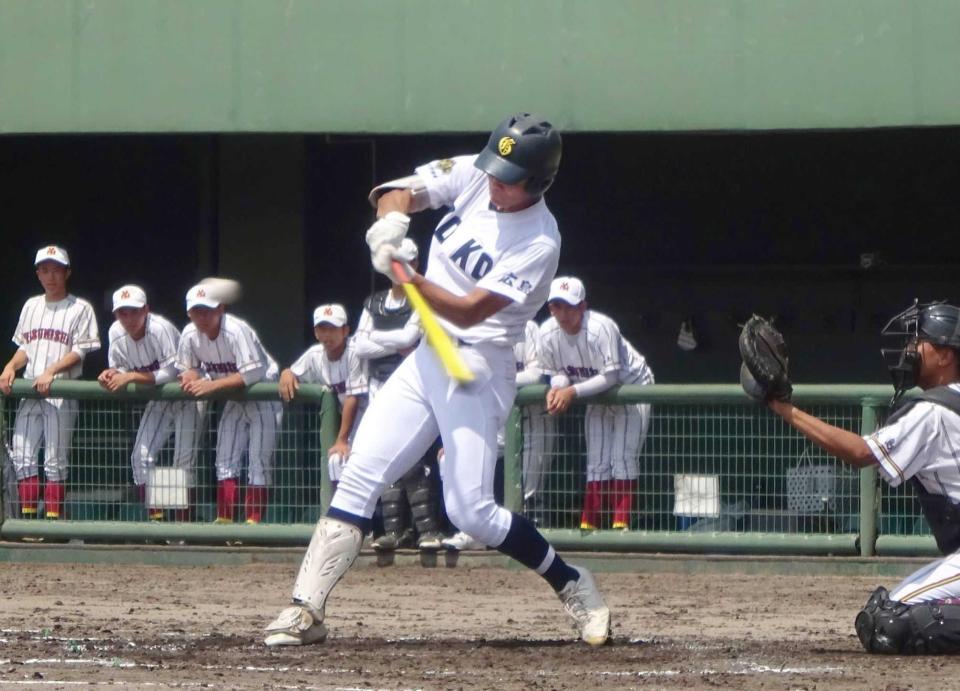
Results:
<point x="400" y="271"/>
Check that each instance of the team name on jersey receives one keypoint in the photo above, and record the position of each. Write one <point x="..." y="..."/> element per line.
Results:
<point x="586" y="372"/>
<point x="220" y="367"/>
<point x="469" y="256"/>
<point x="55" y="335"/>
<point x="339" y="387"/>
<point x="152" y="367"/>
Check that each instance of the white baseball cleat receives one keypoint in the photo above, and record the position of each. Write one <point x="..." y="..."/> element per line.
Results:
<point x="461" y="541"/>
<point x="585" y="606"/>
<point x="295" y="626"/>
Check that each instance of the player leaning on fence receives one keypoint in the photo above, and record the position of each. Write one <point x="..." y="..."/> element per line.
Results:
<point x="920" y="442"/>
<point x="55" y="332"/>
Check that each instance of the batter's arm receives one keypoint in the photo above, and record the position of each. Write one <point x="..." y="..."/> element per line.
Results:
<point x="463" y="310"/>
<point x="847" y="446"/>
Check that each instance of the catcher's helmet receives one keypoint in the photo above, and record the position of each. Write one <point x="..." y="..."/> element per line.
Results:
<point x="523" y="147"/>
<point x="935" y="322"/>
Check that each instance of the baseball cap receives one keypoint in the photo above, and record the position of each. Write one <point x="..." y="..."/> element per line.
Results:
<point x="52" y="253"/>
<point x="197" y="297"/>
<point x="569" y="289"/>
<point x="129" y="296"/>
<point x="335" y="315"/>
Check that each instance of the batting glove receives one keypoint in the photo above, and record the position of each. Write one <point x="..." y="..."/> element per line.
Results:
<point x="391" y="229"/>
<point x="382" y="257"/>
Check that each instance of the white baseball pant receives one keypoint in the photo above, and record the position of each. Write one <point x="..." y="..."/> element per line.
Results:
<point x="49" y="420"/>
<point x="160" y="418"/>
<point x="615" y="434"/>
<point x="539" y="434"/>
<point x="250" y="426"/>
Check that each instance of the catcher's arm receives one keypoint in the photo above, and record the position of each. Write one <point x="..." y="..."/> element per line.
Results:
<point x="848" y="446"/>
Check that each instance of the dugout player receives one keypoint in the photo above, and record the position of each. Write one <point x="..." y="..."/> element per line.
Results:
<point x="918" y="444"/>
<point x="388" y="331"/>
<point x="491" y="260"/>
<point x="220" y="352"/>
<point x="55" y="332"/>
<point x="333" y="362"/>
<point x="584" y="353"/>
<point x="143" y="350"/>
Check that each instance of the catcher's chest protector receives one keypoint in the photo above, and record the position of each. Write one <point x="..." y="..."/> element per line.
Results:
<point x="942" y="515"/>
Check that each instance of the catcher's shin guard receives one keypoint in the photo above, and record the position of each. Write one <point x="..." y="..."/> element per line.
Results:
<point x="895" y="628"/>
<point x="333" y="549"/>
<point x="393" y="507"/>
<point x="422" y="495"/>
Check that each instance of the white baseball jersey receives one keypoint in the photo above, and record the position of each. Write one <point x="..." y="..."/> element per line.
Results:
<point x="346" y="376"/>
<point x="47" y="331"/>
<point x="526" y="353"/>
<point x="155" y="353"/>
<point x="511" y="254"/>
<point x="615" y="434"/>
<point x="597" y="348"/>
<point x="237" y="348"/>
<point x="923" y="443"/>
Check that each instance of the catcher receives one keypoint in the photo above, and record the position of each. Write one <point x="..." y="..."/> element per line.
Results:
<point x="921" y="615"/>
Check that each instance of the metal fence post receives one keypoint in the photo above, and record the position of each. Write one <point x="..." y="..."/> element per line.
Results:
<point x="868" y="489"/>
<point x="512" y="470"/>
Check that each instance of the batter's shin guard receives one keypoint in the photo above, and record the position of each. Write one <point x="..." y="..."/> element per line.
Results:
<point x="623" y="491"/>
<point x="226" y="499"/>
<point x="590" y="518"/>
<point x="256" y="503"/>
<point x="333" y="548"/>
<point x="29" y="491"/>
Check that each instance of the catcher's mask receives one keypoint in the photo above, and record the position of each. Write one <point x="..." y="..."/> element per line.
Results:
<point x="936" y="322"/>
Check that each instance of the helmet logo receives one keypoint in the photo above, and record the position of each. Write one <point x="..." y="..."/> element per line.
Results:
<point x="505" y="145"/>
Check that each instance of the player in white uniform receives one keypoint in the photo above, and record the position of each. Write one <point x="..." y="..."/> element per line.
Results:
<point x="217" y="352"/>
<point x="491" y="260"/>
<point x="143" y="350"/>
<point x="55" y="332"/>
<point x="333" y="362"/>
<point x="917" y="444"/>
<point x="585" y="354"/>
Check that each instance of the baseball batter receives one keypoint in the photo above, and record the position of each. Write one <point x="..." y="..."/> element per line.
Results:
<point x="217" y="352"/>
<point x="143" y="350"/>
<point x="585" y="354"/>
<point x="333" y="362"/>
<point x="55" y="332"/>
<point x="918" y="444"/>
<point x="491" y="260"/>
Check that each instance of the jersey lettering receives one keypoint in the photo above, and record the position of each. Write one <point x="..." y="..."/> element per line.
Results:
<point x="481" y="266"/>
<point x="54" y="335"/>
<point x="152" y="367"/>
<point x="445" y="229"/>
<point x="585" y="372"/>
<point x="220" y="367"/>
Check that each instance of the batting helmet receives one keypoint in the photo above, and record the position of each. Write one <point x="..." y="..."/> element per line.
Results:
<point x="524" y="147"/>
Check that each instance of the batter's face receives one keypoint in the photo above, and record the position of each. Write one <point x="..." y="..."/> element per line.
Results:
<point x="569" y="317"/>
<point x="332" y="338"/>
<point x="207" y="320"/>
<point x="53" y="277"/>
<point x="133" y="320"/>
<point x="508" y="198"/>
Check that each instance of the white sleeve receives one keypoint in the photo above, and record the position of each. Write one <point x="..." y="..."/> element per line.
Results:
<point x="397" y="339"/>
<point x="898" y="447"/>
<point x="608" y="346"/>
<point x="249" y="356"/>
<point x="21" y="325"/>
<point x="547" y="355"/>
<point x="364" y="346"/>
<point x="446" y="178"/>
<point x="86" y="336"/>
<point x="186" y="353"/>
<point x="357" y="374"/>
<point x="304" y="368"/>
<point x="516" y="274"/>
<point x="598" y="383"/>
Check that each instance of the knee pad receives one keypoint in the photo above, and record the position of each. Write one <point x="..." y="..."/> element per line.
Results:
<point x="935" y="628"/>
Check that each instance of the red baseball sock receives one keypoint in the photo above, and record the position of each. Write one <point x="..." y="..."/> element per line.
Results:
<point x="623" y="491"/>
<point x="226" y="498"/>
<point x="256" y="502"/>
<point x="53" y="493"/>
<point x="590" y="518"/>
<point x="29" y="491"/>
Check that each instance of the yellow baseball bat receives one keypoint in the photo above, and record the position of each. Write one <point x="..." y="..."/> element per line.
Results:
<point x="438" y="339"/>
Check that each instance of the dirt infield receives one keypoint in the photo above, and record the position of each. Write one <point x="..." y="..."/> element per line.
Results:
<point x="463" y="628"/>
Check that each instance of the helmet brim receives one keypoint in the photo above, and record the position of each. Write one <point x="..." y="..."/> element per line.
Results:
<point x="500" y="168"/>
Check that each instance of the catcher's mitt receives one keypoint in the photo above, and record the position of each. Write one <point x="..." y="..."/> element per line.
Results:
<point x="763" y="373"/>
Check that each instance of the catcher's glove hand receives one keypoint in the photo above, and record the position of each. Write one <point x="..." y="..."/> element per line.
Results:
<point x="763" y="373"/>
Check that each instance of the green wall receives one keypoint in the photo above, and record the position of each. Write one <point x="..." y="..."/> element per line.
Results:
<point x="460" y="65"/>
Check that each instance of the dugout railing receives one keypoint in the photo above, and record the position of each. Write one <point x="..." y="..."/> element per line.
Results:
<point x="718" y="474"/>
